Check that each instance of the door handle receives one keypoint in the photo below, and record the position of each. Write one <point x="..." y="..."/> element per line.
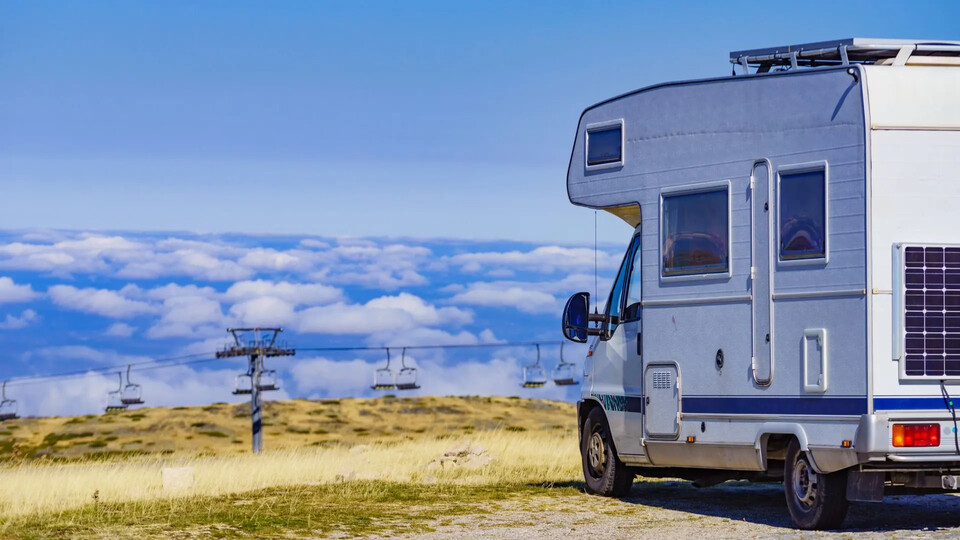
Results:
<point x="640" y="344"/>
<point x="646" y="400"/>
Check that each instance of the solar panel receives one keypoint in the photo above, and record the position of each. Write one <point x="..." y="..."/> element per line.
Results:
<point x="931" y="278"/>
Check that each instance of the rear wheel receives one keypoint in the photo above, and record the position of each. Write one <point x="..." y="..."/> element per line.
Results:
<point x="815" y="500"/>
<point x="603" y="471"/>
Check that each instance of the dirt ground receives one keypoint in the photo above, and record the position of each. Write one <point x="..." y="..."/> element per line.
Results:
<point x="677" y="510"/>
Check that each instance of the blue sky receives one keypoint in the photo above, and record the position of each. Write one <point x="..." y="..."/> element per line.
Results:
<point x="313" y="157"/>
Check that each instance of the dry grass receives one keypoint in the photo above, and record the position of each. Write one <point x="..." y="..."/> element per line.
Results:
<point x="32" y="489"/>
<point x="332" y="467"/>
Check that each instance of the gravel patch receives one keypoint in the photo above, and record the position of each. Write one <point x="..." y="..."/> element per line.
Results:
<point x="734" y="510"/>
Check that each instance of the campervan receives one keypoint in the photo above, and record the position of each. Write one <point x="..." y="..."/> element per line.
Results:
<point x="788" y="306"/>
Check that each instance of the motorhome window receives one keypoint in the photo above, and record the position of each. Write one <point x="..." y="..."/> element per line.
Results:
<point x="605" y="145"/>
<point x="803" y="215"/>
<point x="695" y="233"/>
<point x="615" y="301"/>
<point x="631" y="311"/>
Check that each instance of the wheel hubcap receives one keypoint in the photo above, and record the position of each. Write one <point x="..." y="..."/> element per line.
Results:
<point x="805" y="482"/>
<point x="596" y="454"/>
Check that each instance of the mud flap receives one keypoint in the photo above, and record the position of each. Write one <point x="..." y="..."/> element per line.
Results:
<point x="865" y="486"/>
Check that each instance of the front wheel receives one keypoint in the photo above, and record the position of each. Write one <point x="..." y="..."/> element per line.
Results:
<point x="816" y="501"/>
<point x="603" y="471"/>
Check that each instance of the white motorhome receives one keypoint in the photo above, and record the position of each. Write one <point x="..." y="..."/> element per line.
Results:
<point x="788" y="306"/>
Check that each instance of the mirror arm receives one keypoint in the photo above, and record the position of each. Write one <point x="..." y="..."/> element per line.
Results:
<point x="596" y="317"/>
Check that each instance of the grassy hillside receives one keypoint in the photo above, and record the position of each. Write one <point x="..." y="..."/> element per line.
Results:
<point x="223" y="429"/>
<point x="331" y="467"/>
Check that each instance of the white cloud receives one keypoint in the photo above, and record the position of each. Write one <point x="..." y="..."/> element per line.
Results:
<point x="368" y="265"/>
<point x="528" y="297"/>
<point x="98" y="301"/>
<point x="293" y="293"/>
<point x="422" y="312"/>
<point x="174" y="290"/>
<point x="422" y="336"/>
<point x="542" y="259"/>
<point x="514" y="296"/>
<point x="264" y="311"/>
<point x="120" y="330"/>
<point x="83" y="352"/>
<point x="10" y="292"/>
<point x="195" y="263"/>
<point x="188" y="316"/>
<point x="274" y="260"/>
<point x="27" y="317"/>
<point x="404" y="311"/>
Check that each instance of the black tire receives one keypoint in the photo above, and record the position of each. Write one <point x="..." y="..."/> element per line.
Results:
<point x="816" y="501"/>
<point x="603" y="471"/>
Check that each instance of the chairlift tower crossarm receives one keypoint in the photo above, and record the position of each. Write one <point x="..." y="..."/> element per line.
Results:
<point x="260" y="347"/>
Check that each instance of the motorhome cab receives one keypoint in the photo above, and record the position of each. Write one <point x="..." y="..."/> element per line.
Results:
<point x="788" y="306"/>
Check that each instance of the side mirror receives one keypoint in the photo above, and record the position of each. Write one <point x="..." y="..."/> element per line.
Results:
<point x="576" y="318"/>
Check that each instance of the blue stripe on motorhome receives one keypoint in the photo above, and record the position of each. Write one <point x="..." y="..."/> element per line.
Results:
<point x="775" y="405"/>
<point x="907" y="403"/>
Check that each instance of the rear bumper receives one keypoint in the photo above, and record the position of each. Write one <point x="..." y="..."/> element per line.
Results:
<point x="875" y="450"/>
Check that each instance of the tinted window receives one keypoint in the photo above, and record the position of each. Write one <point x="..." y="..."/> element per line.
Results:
<point x="803" y="215"/>
<point x="632" y="310"/>
<point x="695" y="233"/>
<point x="604" y="145"/>
<point x="615" y="301"/>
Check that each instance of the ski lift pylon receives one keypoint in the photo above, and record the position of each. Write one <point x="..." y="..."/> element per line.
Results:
<point x="132" y="393"/>
<point x="564" y="373"/>
<point x="407" y="376"/>
<point x="534" y="376"/>
<point x="383" y="378"/>
<point x="115" y="397"/>
<point x="8" y="407"/>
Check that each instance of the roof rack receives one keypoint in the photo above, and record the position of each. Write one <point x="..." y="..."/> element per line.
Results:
<point x="845" y="52"/>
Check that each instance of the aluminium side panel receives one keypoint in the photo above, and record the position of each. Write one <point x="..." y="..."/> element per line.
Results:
<point x="915" y="179"/>
<point x="712" y="132"/>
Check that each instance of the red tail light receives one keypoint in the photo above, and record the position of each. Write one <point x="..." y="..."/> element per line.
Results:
<point x="916" y="435"/>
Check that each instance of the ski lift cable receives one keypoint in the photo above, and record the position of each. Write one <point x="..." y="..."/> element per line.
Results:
<point x="145" y="365"/>
<point x="198" y="358"/>
<point x="506" y="344"/>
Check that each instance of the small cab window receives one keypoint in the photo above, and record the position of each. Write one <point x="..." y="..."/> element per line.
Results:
<point x="631" y="310"/>
<point x="615" y="301"/>
<point x="695" y="232"/>
<point x="803" y="215"/>
<point x="605" y="144"/>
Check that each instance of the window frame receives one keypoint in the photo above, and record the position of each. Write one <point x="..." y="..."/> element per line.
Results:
<point x="800" y="168"/>
<point x="628" y="255"/>
<point x="637" y="252"/>
<point x="604" y="126"/>
<point x="693" y="189"/>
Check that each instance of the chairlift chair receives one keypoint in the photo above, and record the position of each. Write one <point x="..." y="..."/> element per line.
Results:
<point x="243" y="384"/>
<point x="534" y="376"/>
<point x="8" y="407"/>
<point x="268" y="380"/>
<point x="115" y="397"/>
<point x="407" y="376"/>
<point x="383" y="378"/>
<point x="564" y="373"/>
<point x="132" y="393"/>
